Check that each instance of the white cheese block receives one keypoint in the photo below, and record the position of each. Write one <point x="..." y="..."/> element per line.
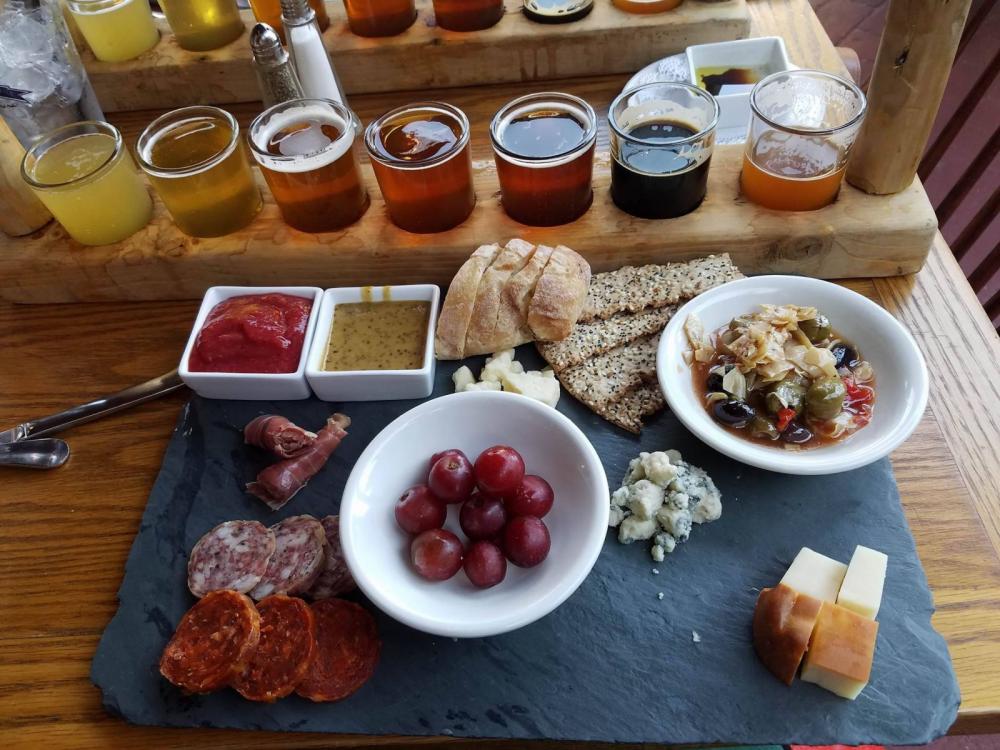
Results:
<point x="816" y="575"/>
<point x="861" y="590"/>
<point x="462" y="378"/>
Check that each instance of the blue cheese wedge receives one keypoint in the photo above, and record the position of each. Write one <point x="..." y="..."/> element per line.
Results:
<point x="661" y="496"/>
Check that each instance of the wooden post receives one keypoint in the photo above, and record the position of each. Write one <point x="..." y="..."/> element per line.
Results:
<point x="914" y="59"/>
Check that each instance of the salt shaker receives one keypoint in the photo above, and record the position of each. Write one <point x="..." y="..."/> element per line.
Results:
<point x="305" y="45"/>
<point x="276" y="77"/>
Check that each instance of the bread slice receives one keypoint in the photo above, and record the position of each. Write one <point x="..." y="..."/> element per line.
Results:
<point x="512" y="322"/>
<point x="631" y="289"/>
<point x="588" y="340"/>
<point x="479" y="339"/>
<point x="608" y="377"/>
<point x="559" y="295"/>
<point x="456" y="312"/>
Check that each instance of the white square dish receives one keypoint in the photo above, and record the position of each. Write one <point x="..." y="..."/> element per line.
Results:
<point x="371" y="385"/>
<point x="766" y="54"/>
<point x="250" y="386"/>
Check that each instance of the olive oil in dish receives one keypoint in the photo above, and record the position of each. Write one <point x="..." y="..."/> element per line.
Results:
<point x="378" y="336"/>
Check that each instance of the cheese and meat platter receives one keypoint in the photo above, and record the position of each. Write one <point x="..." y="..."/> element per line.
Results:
<point x="374" y="517"/>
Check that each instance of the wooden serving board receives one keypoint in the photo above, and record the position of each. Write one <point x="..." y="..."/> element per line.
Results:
<point x="859" y="235"/>
<point x="516" y="49"/>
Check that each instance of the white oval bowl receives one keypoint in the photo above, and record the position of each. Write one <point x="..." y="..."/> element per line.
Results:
<point x="901" y="381"/>
<point x="377" y="550"/>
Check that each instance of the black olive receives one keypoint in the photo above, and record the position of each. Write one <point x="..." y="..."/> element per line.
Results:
<point x="844" y="355"/>
<point x="796" y="433"/>
<point x="734" y="413"/>
<point x="714" y="382"/>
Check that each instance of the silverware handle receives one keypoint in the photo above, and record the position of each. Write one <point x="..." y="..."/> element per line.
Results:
<point x="77" y="415"/>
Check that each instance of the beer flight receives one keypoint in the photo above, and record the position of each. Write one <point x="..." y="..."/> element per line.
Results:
<point x="662" y="135"/>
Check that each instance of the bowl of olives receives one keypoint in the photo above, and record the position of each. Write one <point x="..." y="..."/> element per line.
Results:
<point x="792" y="374"/>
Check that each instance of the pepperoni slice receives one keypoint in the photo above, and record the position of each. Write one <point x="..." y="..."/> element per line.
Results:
<point x="336" y="578"/>
<point x="298" y="558"/>
<point x="347" y="648"/>
<point x="286" y="648"/>
<point x="212" y="643"/>
<point x="233" y="555"/>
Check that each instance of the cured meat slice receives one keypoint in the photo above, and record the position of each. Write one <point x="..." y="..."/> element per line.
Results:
<point x="298" y="559"/>
<point x="233" y="555"/>
<point x="336" y="578"/>
<point x="284" y="653"/>
<point x="347" y="649"/>
<point x="277" y="483"/>
<point x="213" y="642"/>
<point x="278" y="434"/>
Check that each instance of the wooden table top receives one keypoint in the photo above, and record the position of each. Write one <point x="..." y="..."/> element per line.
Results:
<point x="65" y="535"/>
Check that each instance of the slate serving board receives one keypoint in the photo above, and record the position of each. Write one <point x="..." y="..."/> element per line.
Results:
<point x="614" y="663"/>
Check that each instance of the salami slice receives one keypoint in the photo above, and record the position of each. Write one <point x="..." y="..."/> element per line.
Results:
<point x="347" y="649"/>
<point x="233" y="555"/>
<point x="336" y="578"/>
<point x="213" y="642"/>
<point x="298" y="559"/>
<point x="286" y="648"/>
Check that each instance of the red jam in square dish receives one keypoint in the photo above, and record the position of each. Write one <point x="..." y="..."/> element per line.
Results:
<point x="259" y="333"/>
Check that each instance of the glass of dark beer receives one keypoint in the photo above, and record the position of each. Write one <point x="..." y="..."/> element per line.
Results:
<point x="543" y="145"/>
<point x="467" y="15"/>
<point x="420" y="156"/>
<point x="662" y="138"/>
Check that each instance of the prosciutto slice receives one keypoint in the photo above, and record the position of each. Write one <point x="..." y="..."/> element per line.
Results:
<point x="279" y="435"/>
<point x="279" y="482"/>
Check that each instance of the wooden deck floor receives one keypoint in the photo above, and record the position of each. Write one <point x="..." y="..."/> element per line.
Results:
<point x="858" y="24"/>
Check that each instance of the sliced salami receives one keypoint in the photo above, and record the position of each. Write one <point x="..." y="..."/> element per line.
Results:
<point x="336" y="578"/>
<point x="286" y="648"/>
<point x="234" y="555"/>
<point x="213" y="642"/>
<point x="298" y="559"/>
<point x="347" y="649"/>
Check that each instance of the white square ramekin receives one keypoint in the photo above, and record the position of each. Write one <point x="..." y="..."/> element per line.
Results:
<point x="371" y="385"/>
<point x="251" y="386"/>
<point x="766" y="53"/>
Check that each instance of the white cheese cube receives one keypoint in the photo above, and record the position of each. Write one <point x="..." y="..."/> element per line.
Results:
<point x="533" y="385"/>
<point x="861" y="590"/>
<point x="462" y="378"/>
<point x="657" y="468"/>
<point x="816" y="575"/>
<point x="486" y="385"/>
<point x="500" y="364"/>
<point x="634" y="528"/>
<point x="645" y="498"/>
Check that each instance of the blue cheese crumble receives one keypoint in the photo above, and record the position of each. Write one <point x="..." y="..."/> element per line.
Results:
<point x="660" y="498"/>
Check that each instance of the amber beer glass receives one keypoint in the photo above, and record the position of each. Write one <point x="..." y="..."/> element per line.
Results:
<point x="543" y="145"/>
<point x="380" y="17"/>
<point x="802" y="127"/>
<point x="420" y="156"/>
<point x="467" y="15"/>
<point x="305" y="149"/>
<point x="195" y="160"/>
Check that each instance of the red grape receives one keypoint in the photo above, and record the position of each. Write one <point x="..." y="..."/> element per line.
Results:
<point x="442" y="454"/>
<point x="499" y="470"/>
<point x="451" y="478"/>
<point x="436" y="554"/>
<point x="482" y="517"/>
<point x="526" y="541"/>
<point x="418" y="510"/>
<point x="485" y="564"/>
<point x="533" y="498"/>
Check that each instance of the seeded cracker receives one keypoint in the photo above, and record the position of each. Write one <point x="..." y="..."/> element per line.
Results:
<point x="629" y="411"/>
<point x="609" y="376"/>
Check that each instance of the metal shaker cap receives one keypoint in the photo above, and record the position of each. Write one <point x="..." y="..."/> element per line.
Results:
<point x="266" y="45"/>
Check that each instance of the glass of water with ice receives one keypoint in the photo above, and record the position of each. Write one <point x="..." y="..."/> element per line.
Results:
<point x="43" y="84"/>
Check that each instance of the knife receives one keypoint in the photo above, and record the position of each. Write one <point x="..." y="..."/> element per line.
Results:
<point x="77" y="415"/>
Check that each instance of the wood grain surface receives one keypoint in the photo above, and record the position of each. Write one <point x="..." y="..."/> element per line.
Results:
<point x="65" y="535"/>
<point x="516" y="49"/>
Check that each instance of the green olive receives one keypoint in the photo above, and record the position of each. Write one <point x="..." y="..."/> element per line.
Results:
<point x="786" y="394"/>
<point x="763" y="427"/>
<point x="816" y="329"/>
<point x="825" y="397"/>
<point x="740" y="321"/>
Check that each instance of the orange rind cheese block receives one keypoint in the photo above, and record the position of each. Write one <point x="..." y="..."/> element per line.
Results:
<point x="841" y="651"/>
<point x="782" y="624"/>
